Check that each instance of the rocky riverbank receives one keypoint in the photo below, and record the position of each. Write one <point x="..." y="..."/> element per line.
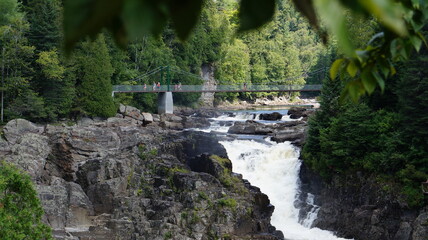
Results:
<point x="358" y="207"/>
<point x="139" y="176"/>
<point x="134" y="176"/>
<point x="268" y="102"/>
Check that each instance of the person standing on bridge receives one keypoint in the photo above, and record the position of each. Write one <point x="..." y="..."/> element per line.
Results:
<point x="158" y="85"/>
<point x="179" y="85"/>
<point x="154" y="86"/>
<point x="245" y="86"/>
<point x="145" y="87"/>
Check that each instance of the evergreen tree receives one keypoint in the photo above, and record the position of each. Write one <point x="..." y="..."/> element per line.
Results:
<point x="45" y="18"/>
<point x="20" y="99"/>
<point x="94" y="89"/>
<point x="58" y="92"/>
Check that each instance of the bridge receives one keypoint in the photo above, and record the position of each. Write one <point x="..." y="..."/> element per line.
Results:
<point x="165" y="90"/>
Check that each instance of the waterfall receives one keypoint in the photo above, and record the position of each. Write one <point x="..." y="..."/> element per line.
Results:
<point x="274" y="168"/>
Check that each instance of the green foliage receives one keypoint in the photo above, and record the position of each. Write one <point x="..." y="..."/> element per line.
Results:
<point x="20" y="209"/>
<point x="95" y="87"/>
<point x="45" y="18"/>
<point x="252" y="14"/>
<point x="227" y="202"/>
<point x="167" y="235"/>
<point x="368" y="68"/>
<point x="383" y="135"/>
<point x="57" y="90"/>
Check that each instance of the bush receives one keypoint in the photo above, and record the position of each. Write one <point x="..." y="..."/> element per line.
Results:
<point x="20" y="209"/>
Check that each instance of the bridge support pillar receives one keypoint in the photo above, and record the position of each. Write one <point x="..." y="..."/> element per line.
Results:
<point x="165" y="103"/>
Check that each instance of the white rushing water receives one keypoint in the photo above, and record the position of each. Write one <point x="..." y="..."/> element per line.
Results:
<point x="274" y="168"/>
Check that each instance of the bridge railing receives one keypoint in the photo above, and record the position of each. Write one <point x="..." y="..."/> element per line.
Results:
<point x="215" y="88"/>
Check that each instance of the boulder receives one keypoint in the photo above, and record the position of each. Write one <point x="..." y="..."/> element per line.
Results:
<point x="172" y="125"/>
<point x="195" y="122"/>
<point x="30" y="154"/>
<point x="134" y="113"/>
<point x="122" y="108"/>
<point x="206" y="113"/>
<point x="117" y="122"/>
<point x="156" y="117"/>
<point x="297" y="112"/>
<point x="251" y="127"/>
<point x="85" y="121"/>
<point x="275" y="116"/>
<point x="295" y="137"/>
<point x="148" y="117"/>
<point x="16" y="128"/>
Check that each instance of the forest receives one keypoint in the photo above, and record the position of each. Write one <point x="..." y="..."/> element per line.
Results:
<point x="384" y="135"/>
<point x="381" y="135"/>
<point x="42" y="83"/>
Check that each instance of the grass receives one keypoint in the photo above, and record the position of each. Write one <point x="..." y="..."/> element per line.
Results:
<point x="227" y="202"/>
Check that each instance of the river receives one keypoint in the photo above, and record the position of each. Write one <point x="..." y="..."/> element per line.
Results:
<point x="274" y="168"/>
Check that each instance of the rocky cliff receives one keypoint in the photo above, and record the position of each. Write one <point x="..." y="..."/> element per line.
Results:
<point x="134" y="177"/>
<point x="358" y="207"/>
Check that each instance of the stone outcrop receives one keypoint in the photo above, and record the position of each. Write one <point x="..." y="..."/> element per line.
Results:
<point x="130" y="178"/>
<point x="280" y="132"/>
<point x="298" y="112"/>
<point x="357" y="207"/>
<point x="207" y="74"/>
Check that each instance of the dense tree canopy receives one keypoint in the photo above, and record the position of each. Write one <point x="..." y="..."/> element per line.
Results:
<point x="40" y="83"/>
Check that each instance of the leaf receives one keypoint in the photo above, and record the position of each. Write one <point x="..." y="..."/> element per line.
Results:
<point x="379" y="80"/>
<point x="87" y="18"/>
<point x="368" y="81"/>
<point x="117" y="28"/>
<point x="393" y="71"/>
<point x="362" y="55"/>
<point x="384" y="67"/>
<point x="306" y="7"/>
<point x="394" y="48"/>
<point x="352" y="69"/>
<point x="416" y="42"/>
<point x="334" y="69"/>
<point x="353" y="89"/>
<point x="333" y="15"/>
<point x="255" y="13"/>
<point x="184" y="14"/>
<point x="142" y="17"/>
<point x="388" y="13"/>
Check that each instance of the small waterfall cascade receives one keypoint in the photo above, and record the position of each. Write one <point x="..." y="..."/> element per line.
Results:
<point x="274" y="168"/>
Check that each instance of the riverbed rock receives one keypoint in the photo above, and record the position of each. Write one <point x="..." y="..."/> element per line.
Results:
<point x="119" y="179"/>
<point x="297" y="112"/>
<point x="275" y="116"/>
<point x="285" y="131"/>
<point x="195" y="122"/>
<point x="134" y="113"/>
<point x="297" y="138"/>
<point x="148" y="117"/>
